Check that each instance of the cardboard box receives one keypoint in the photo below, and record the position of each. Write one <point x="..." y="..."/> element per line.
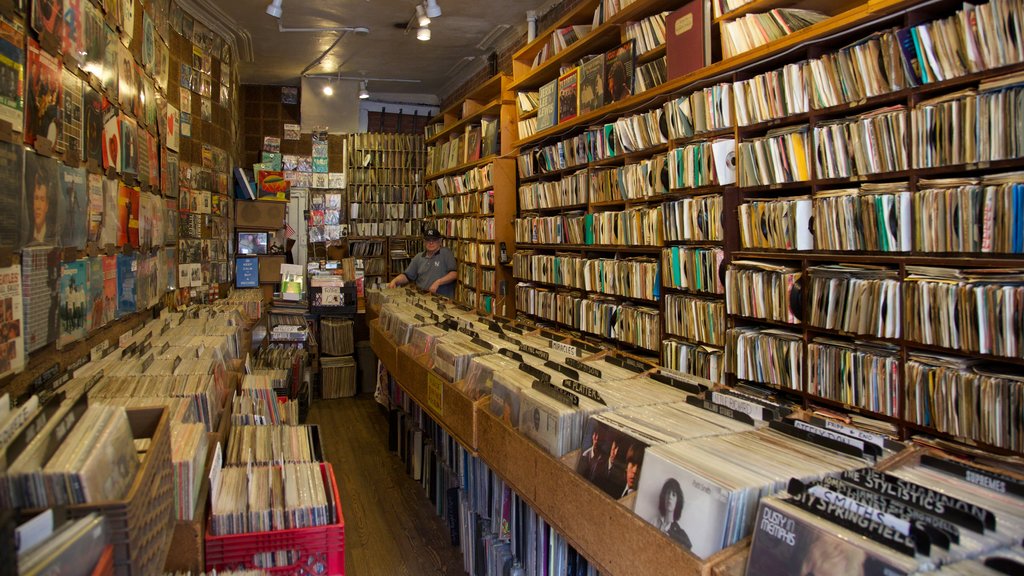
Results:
<point x="270" y="267"/>
<point x="260" y="215"/>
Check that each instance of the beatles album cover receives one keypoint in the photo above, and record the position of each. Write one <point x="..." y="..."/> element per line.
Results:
<point x="12" y="159"/>
<point x="73" y="307"/>
<point x="12" y="74"/>
<point x="41" y="210"/>
<point x="45" y="88"/>
<point x="74" y="202"/>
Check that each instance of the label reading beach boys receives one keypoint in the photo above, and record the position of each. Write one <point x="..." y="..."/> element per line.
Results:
<point x="564" y="348"/>
<point x="586" y="368"/>
<point x="559" y="394"/>
<point x="534" y="352"/>
<point x="583" y="390"/>
<point x="435" y="394"/>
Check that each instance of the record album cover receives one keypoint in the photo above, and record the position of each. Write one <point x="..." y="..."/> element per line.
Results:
<point x="12" y="74"/>
<point x="128" y="216"/>
<point x="92" y="126"/>
<point x="41" y="210"/>
<point x="73" y="308"/>
<point x="127" y="270"/>
<point x="96" y="313"/>
<point x="619" y="70"/>
<point x="172" y="127"/>
<point x="111" y="213"/>
<point x="73" y="34"/>
<point x="682" y="504"/>
<point x="43" y="97"/>
<point x="129" y="145"/>
<point x="109" y="288"/>
<point x="71" y="116"/>
<point x="48" y="20"/>
<point x="568" y="95"/>
<point x="74" y="202"/>
<point x="12" y="158"/>
<point x="12" y="329"/>
<point x="592" y="84"/>
<point x="111" y="137"/>
<point x="111" y="52"/>
<point x="94" y="215"/>
<point x="40" y="269"/>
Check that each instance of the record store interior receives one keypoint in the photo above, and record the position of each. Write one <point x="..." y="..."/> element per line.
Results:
<point x="511" y="288"/>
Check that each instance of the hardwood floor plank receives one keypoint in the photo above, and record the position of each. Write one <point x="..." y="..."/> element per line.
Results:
<point x="391" y="528"/>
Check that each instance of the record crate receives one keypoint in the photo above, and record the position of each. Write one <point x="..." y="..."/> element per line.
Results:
<point x="337" y="377"/>
<point x="314" y="551"/>
<point x="141" y="524"/>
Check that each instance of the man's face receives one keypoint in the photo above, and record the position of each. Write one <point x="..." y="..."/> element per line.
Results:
<point x="613" y="452"/>
<point x="432" y="244"/>
<point x="40" y="204"/>
<point x="631" y="468"/>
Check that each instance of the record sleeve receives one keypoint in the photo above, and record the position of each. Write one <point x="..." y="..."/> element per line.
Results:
<point x="619" y="70"/>
<point x="12" y="328"/>
<point x="129" y="145"/>
<point x="12" y="159"/>
<point x="42" y="205"/>
<point x="74" y="202"/>
<point x="48" y="20"/>
<point x="92" y="126"/>
<point x="682" y="504"/>
<point x="44" y="95"/>
<point x="73" y="35"/>
<point x="127" y="270"/>
<point x="74" y="302"/>
<point x="12" y="70"/>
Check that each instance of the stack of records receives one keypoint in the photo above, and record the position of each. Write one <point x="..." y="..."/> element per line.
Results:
<point x="265" y="498"/>
<point x="703" y="492"/>
<point x="189" y="445"/>
<point x="72" y="548"/>
<point x="338" y="377"/>
<point x="424" y="338"/>
<point x="451" y="355"/>
<point x="272" y="444"/>
<point x="336" y="337"/>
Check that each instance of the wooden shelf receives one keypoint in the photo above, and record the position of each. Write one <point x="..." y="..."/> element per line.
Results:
<point x="462" y="167"/>
<point x="564" y="288"/>
<point x="592" y="248"/>
<point x="491" y="109"/>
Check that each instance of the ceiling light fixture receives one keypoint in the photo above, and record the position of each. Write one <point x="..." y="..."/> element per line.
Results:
<point x="274" y="8"/>
<point x="328" y="90"/>
<point x="421" y="16"/>
<point x="433" y="10"/>
<point x="363" y="92"/>
<point x="423" y="33"/>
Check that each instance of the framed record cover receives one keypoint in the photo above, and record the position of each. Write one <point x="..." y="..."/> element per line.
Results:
<point x="45" y="91"/>
<point x="12" y="75"/>
<point x="568" y="95"/>
<point x="41" y="219"/>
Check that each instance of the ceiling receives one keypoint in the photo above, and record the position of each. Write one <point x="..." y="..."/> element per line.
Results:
<point x="386" y="52"/>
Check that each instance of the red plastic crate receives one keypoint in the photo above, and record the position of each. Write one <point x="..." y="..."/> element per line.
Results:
<point x="314" y="551"/>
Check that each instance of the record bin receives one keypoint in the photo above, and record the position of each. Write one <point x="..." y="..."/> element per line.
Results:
<point x="316" y="550"/>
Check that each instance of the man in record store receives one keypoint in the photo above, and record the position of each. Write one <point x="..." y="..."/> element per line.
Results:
<point x="433" y="269"/>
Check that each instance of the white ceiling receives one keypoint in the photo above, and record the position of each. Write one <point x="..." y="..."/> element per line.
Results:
<point x="386" y="52"/>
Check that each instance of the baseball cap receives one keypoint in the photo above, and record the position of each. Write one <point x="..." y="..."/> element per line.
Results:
<point x="432" y="234"/>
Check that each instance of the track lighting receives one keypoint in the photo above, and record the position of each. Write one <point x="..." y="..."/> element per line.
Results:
<point x="274" y="8"/>
<point x="423" y="33"/>
<point x="363" y="92"/>
<point x="432" y="9"/>
<point x="421" y="16"/>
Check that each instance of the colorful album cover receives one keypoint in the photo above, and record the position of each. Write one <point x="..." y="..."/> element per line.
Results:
<point x="74" y="202"/>
<point x="569" y="95"/>
<point x="109" y="233"/>
<point x="592" y="84"/>
<point x="292" y="131"/>
<point x="109" y="289"/>
<point x="172" y="128"/>
<point x="73" y="35"/>
<point x="127" y="270"/>
<point x="148" y="43"/>
<point x="247" y="273"/>
<point x="73" y="307"/>
<point x="41" y="207"/>
<point x="611" y="459"/>
<point x="171" y="222"/>
<point x="186" y="78"/>
<point x="185" y="100"/>
<point x="126" y="79"/>
<point x="128" y="216"/>
<point x="145" y="281"/>
<point x="94" y="216"/>
<point x="618" y="70"/>
<point x="12" y="74"/>
<point x="48" y="19"/>
<point x="171" y="267"/>
<point x="12" y="159"/>
<point x="71" y="120"/>
<point x="687" y="507"/>
<point x="129" y="145"/>
<point x="43" y="98"/>
<point x="272" y="185"/>
<point x="111" y="137"/>
<point x="169" y="174"/>
<point x="12" y="322"/>
<point x="148" y="97"/>
<point x="95" y="283"/>
<point x="92" y="126"/>
<point x="271" y="144"/>
<point x="207" y="156"/>
<point x="153" y="153"/>
<point x="111" y="71"/>
<point x="161" y="75"/>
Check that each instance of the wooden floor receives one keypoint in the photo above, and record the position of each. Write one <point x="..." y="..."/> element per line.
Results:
<point x="390" y="526"/>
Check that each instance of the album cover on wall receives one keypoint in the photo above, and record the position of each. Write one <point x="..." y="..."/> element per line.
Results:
<point x="73" y="305"/>
<point x="148" y="42"/>
<point x="619" y="71"/>
<point x="126" y="82"/>
<point x="96" y="313"/>
<point x="94" y="185"/>
<point x="71" y="118"/>
<point x="74" y="202"/>
<point x="48" y="20"/>
<point x="40" y="269"/>
<point x="92" y="126"/>
<point x="111" y="53"/>
<point x="109" y="289"/>
<point x="12" y="323"/>
<point x="95" y="41"/>
<point x="169" y="174"/>
<point x="111" y="136"/>
<point x="127" y="269"/>
<point x="111" y="215"/>
<point x="127" y="13"/>
<point x="172" y="127"/>
<point x="73" y="35"/>
<point x="41" y="205"/>
<point x="43" y="98"/>
<point x="129" y="145"/>
<point x="128" y="216"/>
<point x="12" y="158"/>
<point x="12" y="74"/>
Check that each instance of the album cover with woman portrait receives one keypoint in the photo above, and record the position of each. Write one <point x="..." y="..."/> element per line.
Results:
<point x="41" y="207"/>
<point x="44" y="94"/>
<point x="12" y="158"/>
<point x="685" y="506"/>
<point x="48" y="20"/>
